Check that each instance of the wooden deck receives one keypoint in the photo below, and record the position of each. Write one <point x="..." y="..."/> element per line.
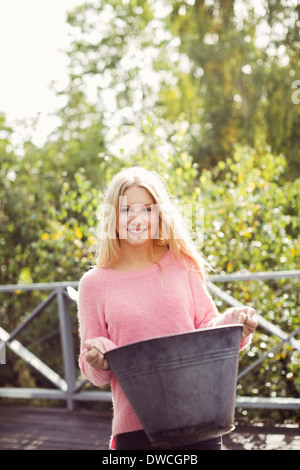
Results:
<point x="59" y="429"/>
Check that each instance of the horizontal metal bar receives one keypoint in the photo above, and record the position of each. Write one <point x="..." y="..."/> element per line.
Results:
<point x="213" y="277"/>
<point x="38" y="286"/>
<point x="29" y="393"/>
<point x="92" y="396"/>
<point x="50" y="394"/>
<point x="277" y="403"/>
<point x="254" y="276"/>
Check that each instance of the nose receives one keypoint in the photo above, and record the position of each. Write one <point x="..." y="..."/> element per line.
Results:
<point x="136" y="220"/>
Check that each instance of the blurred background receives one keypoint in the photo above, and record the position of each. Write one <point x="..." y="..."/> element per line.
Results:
<point x="205" y="92"/>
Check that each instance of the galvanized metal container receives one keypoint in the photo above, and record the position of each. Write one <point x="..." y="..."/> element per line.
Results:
<point x="182" y="387"/>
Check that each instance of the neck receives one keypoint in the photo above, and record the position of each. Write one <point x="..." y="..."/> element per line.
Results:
<point x="133" y="258"/>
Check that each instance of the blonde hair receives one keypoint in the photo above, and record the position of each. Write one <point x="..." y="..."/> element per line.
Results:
<point x="173" y="231"/>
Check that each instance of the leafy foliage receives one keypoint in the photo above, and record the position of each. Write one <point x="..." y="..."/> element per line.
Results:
<point x="183" y="89"/>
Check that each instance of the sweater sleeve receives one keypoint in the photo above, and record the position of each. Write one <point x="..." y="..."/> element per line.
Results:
<point x="205" y="311"/>
<point x="92" y="325"/>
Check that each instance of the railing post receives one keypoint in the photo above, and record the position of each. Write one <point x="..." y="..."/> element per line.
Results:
<point x="67" y="345"/>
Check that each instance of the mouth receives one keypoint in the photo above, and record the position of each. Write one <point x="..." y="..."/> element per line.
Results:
<point x="136" y="231"/>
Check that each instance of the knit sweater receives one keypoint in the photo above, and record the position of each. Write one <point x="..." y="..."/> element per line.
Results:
<point x="121" y="308"/>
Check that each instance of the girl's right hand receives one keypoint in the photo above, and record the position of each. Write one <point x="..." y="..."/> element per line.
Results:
<point x="95" y="354"/>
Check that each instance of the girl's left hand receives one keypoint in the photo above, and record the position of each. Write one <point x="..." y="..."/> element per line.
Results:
<point x="246" y="317"/>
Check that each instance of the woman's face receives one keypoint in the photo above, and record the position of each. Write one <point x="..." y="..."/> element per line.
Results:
<point x="138" y="217"/>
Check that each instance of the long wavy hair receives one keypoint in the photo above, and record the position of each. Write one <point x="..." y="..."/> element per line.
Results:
<point x="172" y="228"/>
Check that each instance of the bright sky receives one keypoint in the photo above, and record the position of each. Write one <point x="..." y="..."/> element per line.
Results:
<point x="32" y="34"/>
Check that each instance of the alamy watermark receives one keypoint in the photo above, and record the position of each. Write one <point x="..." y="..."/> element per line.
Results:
<point x="2" y="353"/>
<point x="150" y="221"/>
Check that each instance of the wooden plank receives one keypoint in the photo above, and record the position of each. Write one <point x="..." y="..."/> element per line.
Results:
<point x="59" y="429"/>
<point x="54" y="429"/>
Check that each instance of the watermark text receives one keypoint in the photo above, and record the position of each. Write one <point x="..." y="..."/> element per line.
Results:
<point x="152" y="221"/>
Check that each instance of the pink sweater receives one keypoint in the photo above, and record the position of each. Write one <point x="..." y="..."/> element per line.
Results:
<point x="125" y="307"/>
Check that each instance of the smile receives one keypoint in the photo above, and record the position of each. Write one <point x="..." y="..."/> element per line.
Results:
<point x="137" y="232"/>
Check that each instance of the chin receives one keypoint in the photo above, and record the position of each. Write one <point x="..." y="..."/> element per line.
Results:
<point x="140" y="242"/>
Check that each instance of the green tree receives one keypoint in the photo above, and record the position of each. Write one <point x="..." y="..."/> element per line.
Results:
<point x="226" y="67"/>
<point x="237" y="87"/>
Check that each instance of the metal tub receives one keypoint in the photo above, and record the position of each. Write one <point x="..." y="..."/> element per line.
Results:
<point x="182" y="387"/>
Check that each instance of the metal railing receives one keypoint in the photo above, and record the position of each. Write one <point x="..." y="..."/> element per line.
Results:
<point x="261" y="402"/>
<point x="70" y="387"/>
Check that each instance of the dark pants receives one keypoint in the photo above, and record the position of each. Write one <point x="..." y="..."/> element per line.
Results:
<point x="138" y="440"/>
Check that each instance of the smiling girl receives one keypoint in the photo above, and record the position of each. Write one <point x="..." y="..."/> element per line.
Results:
<point x="149" y="281"/>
